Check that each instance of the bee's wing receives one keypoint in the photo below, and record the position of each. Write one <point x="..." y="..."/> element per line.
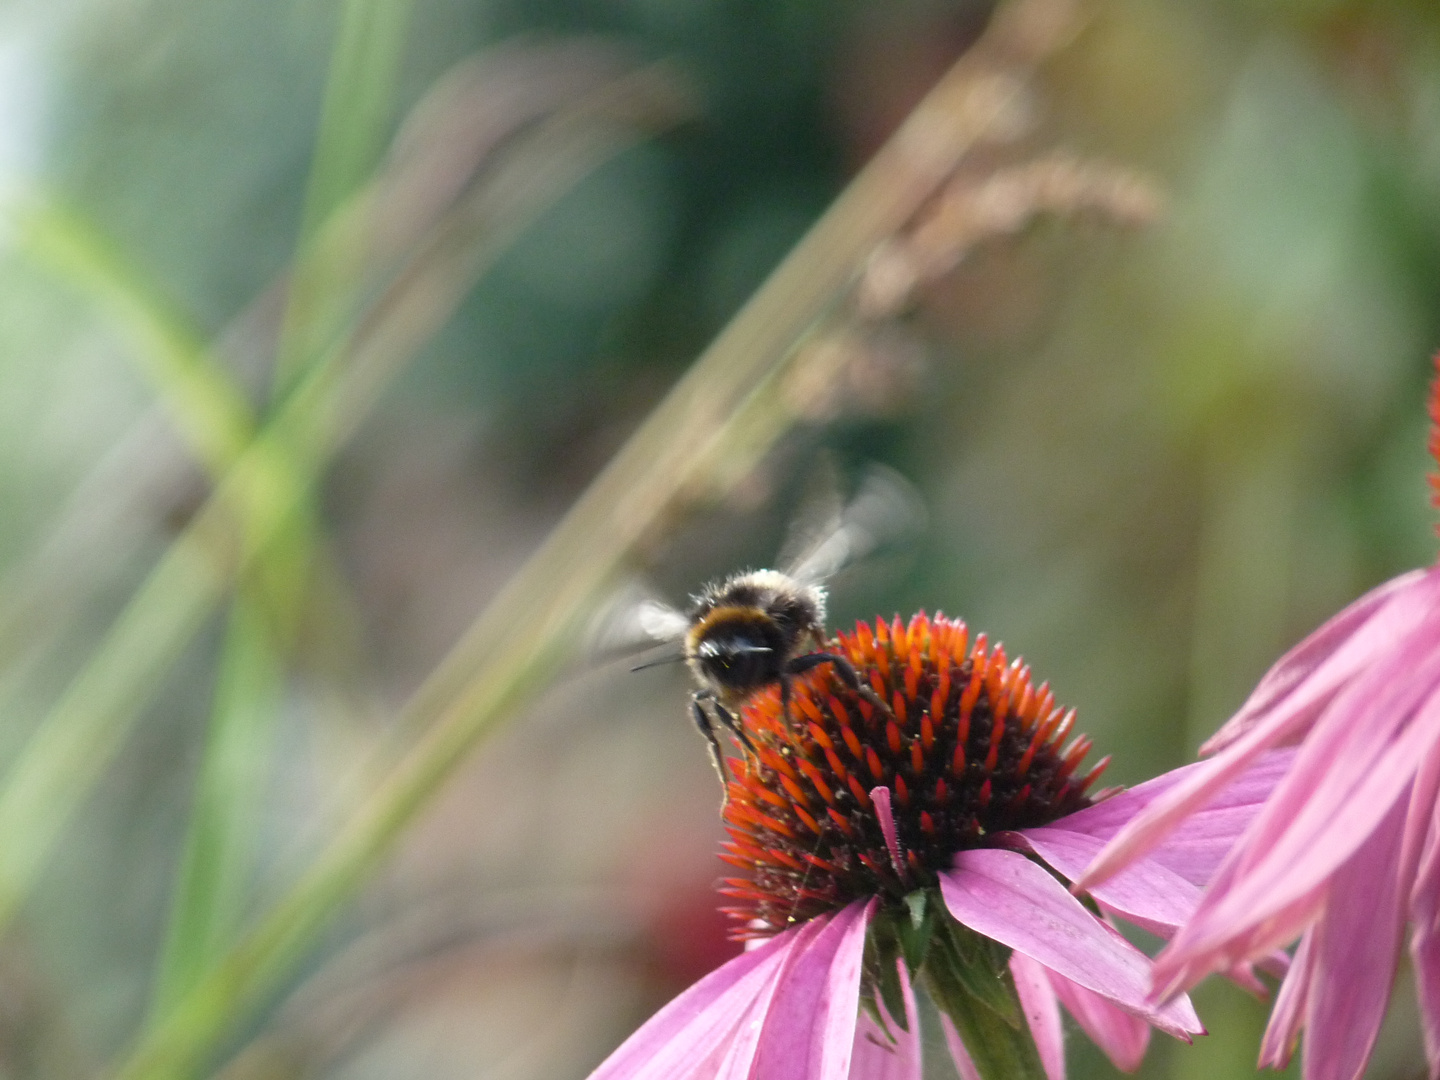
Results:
<point x="633" y="619"/>
<point x="886" y="509"/>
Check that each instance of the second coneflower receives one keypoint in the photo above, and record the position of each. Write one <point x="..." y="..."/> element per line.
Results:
<point x="927" y="842"/>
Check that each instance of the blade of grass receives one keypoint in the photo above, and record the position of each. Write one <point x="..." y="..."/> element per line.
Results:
<point x="84" y="728"/>
<point x="269" y="600"/>
<point x="214" y="875"/>
<point x="726" y="403"/>
<point x="212" y="413"/>
<point x="461" y="127"/>
<point x="354" y="119"/>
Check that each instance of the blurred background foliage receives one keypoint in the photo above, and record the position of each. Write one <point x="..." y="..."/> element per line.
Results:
<point x="1153" y="457"/>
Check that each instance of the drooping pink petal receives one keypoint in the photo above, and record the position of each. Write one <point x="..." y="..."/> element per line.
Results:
<point x="1328" y="657"/>
<point x="1407" y="604"/>
<point x="1425" y="939"/>
<point x="1196" y="847"/>
<point x="1180" y="966"/>
<point x="1420" y="861"/>
<point x="1299" y="839"/>
<point x="1188" y="793"/>
<point x="895" y="1055"/>
<point x="1421" y="819"/>
<point x="1006" y="897"/>
<point x="809" y="1029"/>
<point x="1243" y="974"/>
<point x="694" y="1032"/>
<point x="1146" y="893"/>
<point x="1356" y="946"/>
<point x="964" y="1064"/>
<point x="1122" y="1036"/>
<point x="1425" y="955"/>
<point x="1042" y="1012"/>
<point x="1288" y="1016"/>
<point x="880" y="796"/>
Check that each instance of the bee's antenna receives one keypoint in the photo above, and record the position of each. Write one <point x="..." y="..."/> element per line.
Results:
<point x="675" y="659"/>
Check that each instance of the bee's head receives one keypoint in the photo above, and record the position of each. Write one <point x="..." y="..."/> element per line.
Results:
<point x="736" y="651"/>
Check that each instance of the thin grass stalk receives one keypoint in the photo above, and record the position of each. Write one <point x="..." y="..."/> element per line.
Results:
<point x="214" y="875"/>
<point x="77" y="739"/>
<point x="210" y="410"/>
<point x="354" y="123"/>
<point x="269" y="600"/>
<point x="724" y="404"/>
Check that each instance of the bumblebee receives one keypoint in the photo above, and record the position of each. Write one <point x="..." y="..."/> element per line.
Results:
<point x="760" y="628"/>
<point x="746" y="633"/>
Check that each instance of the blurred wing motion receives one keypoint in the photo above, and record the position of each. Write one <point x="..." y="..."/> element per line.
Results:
<point x="632" y="620"/>
<point x="886" y="509"/>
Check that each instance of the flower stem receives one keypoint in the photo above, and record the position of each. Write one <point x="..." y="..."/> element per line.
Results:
<point x="971" y="984"/>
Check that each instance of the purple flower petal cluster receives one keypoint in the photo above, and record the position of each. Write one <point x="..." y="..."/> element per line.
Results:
<point x="1347" y="849"/>
<point x="1346" y="852"/>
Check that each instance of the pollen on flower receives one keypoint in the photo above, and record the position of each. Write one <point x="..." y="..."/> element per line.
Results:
<point x="971" y="748"/>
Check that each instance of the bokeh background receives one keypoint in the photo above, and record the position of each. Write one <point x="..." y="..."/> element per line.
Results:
<point x="1153" y="457"/>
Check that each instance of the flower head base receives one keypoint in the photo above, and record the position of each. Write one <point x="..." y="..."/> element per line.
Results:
<point x="969" y="748"/>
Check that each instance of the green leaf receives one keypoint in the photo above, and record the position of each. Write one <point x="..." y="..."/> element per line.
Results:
<point x="916" y="933"/>
<point x="999" y="1049"/>
<point x="882" y="968"/>
<point x="979" y="965"/>
<point x="218" y="858"/>
<point x="334" y="234"/>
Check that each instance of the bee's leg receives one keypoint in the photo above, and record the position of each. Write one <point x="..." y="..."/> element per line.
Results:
<point x="728" y="719"/>
<point x="845" y="670"/>
<point x="707" y="728"/>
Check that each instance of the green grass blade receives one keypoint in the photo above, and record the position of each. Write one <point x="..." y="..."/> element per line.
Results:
<point x="82" y="732"/>
<point x="209" y="409"/>
<point x="354" y="123"/>
<point x="358" y="105"/>
<point x="212" y="414"/>
<point x="725" y="408"/>
<point x="214" y="874"/>
<point x="266" y="485"/>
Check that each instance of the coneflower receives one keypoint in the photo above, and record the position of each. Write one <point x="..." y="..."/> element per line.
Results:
<point x="1347" y="850"/>
<point x="926" y="841"/>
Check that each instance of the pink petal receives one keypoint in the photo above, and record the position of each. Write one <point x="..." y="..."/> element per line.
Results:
<point x="1356" y="946"/>
<point x="809" y="1028"/>
<point x="1010" y="899"/>
<point x="1179" y="966"/>
<point x="1305" y="683"/>
<point x="1146" y="893"/>
<point x="1186" y="794"/>
<point x="1288" y="1016"/>
<point x="880" y="797"/>
<point x="1425" y="956"/>
<point x="1425" y="939"/>
<point x="695" y="1031"/>
<point x="964" y="1064"/>
<point x="893" y="1056"/>
<point x="1196" y="847"/>
<point x="1042" y="1012"/>
<point x="1327" y="807"/>
<point x="1123" y="1037"/>
<point x="1422" y="817"/>
<point x="1330" y="656"/>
